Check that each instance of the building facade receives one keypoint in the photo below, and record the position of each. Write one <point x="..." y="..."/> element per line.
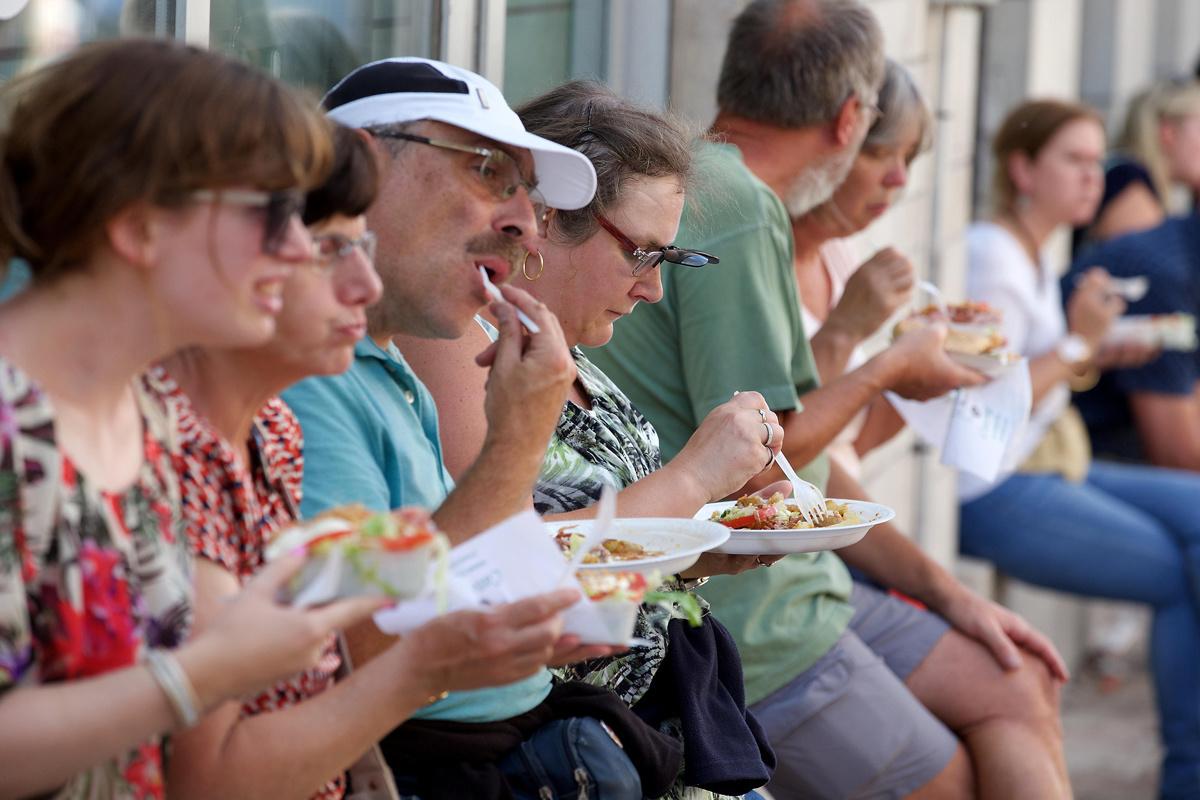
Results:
<point x="974" y="59"/>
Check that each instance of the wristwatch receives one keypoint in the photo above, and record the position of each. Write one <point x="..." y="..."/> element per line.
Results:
<point x="1073" y="349"/>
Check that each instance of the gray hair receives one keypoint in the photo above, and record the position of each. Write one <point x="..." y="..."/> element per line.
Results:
<point x="900" y="103"/>
<point x="622" y="139"/>
<point x="380" y="132"/>
<point x="794" y="63"/>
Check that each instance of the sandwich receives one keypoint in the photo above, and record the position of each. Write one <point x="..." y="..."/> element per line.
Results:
<point x="353" y="551"/>
<point x="622" y="592"/>
<point x="973" y="328"/>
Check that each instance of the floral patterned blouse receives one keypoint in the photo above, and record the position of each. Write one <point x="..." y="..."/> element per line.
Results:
<point x="231" y="513"/>
<point x="610" y="443"/>
<point x="88" y="578"/>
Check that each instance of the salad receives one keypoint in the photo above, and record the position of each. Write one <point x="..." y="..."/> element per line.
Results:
<point x="753" y="513"/>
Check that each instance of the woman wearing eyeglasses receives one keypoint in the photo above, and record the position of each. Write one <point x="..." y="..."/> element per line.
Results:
<point x="134" y="221"/>
<point x="240" y="469"/>
<point x="595" y="265"/>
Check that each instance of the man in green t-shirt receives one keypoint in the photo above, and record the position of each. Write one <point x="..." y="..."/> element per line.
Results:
<point x="860" y="693"/>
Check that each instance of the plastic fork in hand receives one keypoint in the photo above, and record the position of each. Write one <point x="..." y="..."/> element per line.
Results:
<point x="809" y="498"/>
<point x="494" y="292"/>
<point x="935" y="294"/>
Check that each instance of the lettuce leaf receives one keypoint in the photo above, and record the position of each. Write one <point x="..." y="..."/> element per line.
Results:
<point x="682" y="605"/>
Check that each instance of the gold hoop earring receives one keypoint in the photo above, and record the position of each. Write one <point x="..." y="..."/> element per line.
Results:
<point x="525" y="265"/>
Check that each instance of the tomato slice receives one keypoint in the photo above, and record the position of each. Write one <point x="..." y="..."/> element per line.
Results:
<point x="739" y="522"/>
<point x="765" y="516"/>
<point x="326" y="537"/>
<point x="402" y="543"/>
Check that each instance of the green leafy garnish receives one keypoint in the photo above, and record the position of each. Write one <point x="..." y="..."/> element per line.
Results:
<point x="682" y="605"/>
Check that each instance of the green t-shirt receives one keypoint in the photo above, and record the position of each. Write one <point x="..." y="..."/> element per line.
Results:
<point x="732" y="326"/>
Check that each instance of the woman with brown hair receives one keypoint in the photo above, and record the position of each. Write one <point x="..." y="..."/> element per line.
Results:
<point x="1062" y="521"/>
<point x="149" y="197"/>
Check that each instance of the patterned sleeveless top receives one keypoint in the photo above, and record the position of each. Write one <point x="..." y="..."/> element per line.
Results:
<point x="88" y="578"/>
<point x="231" y="512"/>
<point x="611" y="443"/>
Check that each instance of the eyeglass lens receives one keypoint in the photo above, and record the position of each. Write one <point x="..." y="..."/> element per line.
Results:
<point x="503" y="177"/>
<point x="330" y="249"/>
<point x="280" y="208"/>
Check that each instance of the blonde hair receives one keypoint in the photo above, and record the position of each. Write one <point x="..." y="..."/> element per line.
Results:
<point x="1140" y="138"/>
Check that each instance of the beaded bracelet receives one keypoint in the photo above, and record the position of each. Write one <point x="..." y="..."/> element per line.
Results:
<point x="174" y="682"/>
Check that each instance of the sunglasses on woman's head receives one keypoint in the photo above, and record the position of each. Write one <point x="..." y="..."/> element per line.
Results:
<point x="649" y="259"/>
<point x="279" y="208"/>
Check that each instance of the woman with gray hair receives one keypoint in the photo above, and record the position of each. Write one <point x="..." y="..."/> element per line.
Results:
<point x="845" y="300"/>
<point x="843" y="304"/>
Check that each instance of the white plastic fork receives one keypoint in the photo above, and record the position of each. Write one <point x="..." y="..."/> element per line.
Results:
<point x="936" y="295"/>
<point x="606" y="510"/>
<point x="494" y="292"/>
<point x="809" y="498"/>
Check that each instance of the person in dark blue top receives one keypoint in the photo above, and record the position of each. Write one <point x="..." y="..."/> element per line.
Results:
<point x="1151" y="412"/>
<point x="1158" y="150"/>
<point x="1126" y="180"/>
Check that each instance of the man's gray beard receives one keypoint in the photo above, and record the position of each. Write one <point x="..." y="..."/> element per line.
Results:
<point x="817" y="184"/>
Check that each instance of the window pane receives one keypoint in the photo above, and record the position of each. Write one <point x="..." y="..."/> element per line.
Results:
<point x="44" y="29"/>
<point x="313" y="43"/>
<point x="547" y="43"/>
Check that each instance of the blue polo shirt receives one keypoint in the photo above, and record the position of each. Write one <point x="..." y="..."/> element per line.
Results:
<point x="371" y="437"/>
<point x="1169" y="256"/>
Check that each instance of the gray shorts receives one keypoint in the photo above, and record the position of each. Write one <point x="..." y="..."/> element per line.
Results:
<point x="848" y="727"/>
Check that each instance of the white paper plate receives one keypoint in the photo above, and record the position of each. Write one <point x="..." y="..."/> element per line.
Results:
<point x="1168" y="331"/>
<point x="991" y="365"/>
<point x="804" y="540"/>
<point x="681" y="541"/>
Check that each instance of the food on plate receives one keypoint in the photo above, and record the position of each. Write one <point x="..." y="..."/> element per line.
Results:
<point x="606" y="552"/>
<point x="632" y="588"/>
<point x="973" y="328"/>
<point x="353" y="551"/>
<point x="753" y="513"/>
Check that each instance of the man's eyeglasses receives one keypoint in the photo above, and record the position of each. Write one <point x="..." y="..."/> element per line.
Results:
<point x="279" y="208"/>
<point x="649" y="259"/>
<point x="497" y="170"/>
<point x="330" y="249"/>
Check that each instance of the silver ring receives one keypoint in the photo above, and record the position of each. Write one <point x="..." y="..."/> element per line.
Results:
<point x="762" y="414"/>
<point x="770" y="459"/>
<point x="770" y="436"/>
<point x="758" y="560"/>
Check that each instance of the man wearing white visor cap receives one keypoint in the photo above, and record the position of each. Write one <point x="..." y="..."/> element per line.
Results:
<point x="463" y="192"/>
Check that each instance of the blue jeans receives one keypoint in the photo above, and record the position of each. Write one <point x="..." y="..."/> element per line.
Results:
<point x="1126" y="533"/>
